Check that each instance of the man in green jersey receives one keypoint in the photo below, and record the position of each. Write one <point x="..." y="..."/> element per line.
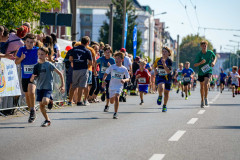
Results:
<point x="205" y="60"/>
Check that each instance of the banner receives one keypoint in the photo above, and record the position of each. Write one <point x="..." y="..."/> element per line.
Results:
<point x="9" y="83"/>
<point x="134" y="41"/>
<point x="126" y="27"/>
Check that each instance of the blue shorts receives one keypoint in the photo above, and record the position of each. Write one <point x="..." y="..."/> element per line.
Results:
<point x="89" y="81"/>
<point x="143" y="88"/>
<point x="166" y="82"/>
<point x="43" y="93"/>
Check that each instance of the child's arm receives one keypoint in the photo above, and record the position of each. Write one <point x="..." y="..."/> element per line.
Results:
<point x="103" y="80"/>
<point x="62" y="88"/>
<point x="32" y="77"/>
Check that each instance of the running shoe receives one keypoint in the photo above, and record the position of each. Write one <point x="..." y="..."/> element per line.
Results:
<point x="124" y="99"/>
<point x="159" y="100"/>
<point x="50" y="104"/>
<point x="120" y="98"/>
<point x="206" y="102"/>
<point x="202" y="104"/>
<point x="32" y="116"/>
<point x="69" y="103"/>
<point x="46" y="123"/>
<point x="189" y="93"/>
<point x="79" y="104"/>
<point x="164" y="109"/>
<point x="233" y="95"/>
<point x="103" y="97"/>
<point x="86" y="103"/>
<point x="115" y="116"/>
<point x="182" y="94"/>
<point x="141" y="103"/>
<point x="177" y="90"/>
<point x="186" y="98"/>
<point x="106" y="109"/>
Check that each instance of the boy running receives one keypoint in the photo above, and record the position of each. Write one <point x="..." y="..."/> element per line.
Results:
<point x="118" y="71"/>
<point x="43" y="71"/>
<point x="222" y="76"/>
<point x="235" y="76"/>
<point x="163" y="67"/>
<point x="180" y="78"/>
<point x="187" y="73"/>
<point x="27" y="57"/>
<point x="143" y="76"/>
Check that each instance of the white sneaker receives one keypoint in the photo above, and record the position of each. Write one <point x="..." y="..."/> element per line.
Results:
<point x="86" y="103"/>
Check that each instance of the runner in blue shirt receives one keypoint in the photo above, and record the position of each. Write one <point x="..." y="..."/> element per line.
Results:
<point x="187" y="73"/>
<point x="27" y="57"/>
<point x="104" y="62"/>
<point x="223" y="76"/>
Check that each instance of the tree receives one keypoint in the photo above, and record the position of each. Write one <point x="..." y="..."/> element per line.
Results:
<point x="14" y="12"/>
<point x="189" y="47"/>
<point x="118" y="25"/>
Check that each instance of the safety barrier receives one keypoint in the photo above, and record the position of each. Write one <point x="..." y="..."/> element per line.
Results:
<point x="19" y="102"/>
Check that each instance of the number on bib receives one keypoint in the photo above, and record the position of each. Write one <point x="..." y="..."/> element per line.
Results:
<point x="28" y="69"/>
<point x="142" y="80"/>
<point x="117" y="75"/>
<point x="187" y="79"/>
<point x="206" y="68"/>
<point x="162" y="72"/>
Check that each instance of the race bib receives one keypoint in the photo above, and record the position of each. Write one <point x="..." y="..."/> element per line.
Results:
<point x="28" y="69"/>
<point x="206" y="68"/>
<point x="187" y="79"/>
<point x="117" y="75"/>
<point x="179" y="78"/>
<point x="142" y="80"/>
<point x="103" y="69"/>
<point x="162" y="72"/>
<point x="234" y="79"/>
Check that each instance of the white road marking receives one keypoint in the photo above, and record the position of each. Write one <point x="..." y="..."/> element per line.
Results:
<point x="157" y="157"/>
<point x="210" y="102"/>
<point x="192" y="121"/>
<point x="216" y="97"/>
<point x="201" y="111"/>
<point x="177" y="135"/>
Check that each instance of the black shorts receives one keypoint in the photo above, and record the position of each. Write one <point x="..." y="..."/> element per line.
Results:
<point x="222" y="82"/>
<point x="25" y="82"/>
<point x="234" y="85"/>
<point x="201" y="78"/>
<point x="186" y="83"/>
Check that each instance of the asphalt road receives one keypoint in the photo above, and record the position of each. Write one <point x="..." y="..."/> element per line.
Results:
<point x="185" y="132"/>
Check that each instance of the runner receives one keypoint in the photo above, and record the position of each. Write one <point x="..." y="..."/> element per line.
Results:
<point x="104" y="62"/>
<point x="117" y="71"/>
<point x="43" y="71"/>
<point x="212" y="82"/>
<point x="235" y="76"/>
<point x="27" y="57"/>
<point x="143" y="76"/>
<point x="205" y="60"/>
<point x="222" y="76"/>
<point x="163" y="67"/>
<point x="180" y="78"/>
<point x="229" y="80"/>
<point x="187" y="73"/>
<point x="194" y="83"/>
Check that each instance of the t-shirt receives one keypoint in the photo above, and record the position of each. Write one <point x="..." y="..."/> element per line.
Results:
<point x="44" y="72"/>
<point x="93" y="55"/>
<point x="147" y="66"/>
<point x="188" y="72"/>
<point x="117" y="74"/>
<point x="222" y="76"/>
<point x="179" y="74"/>
<point x="14" y="45"/>
<point x="127" y="62"/>
<point x="144" y="78"/>
<point x="80" y="56"/>
<point x="103" y="66"/>
<point x="29" y="61"/>
<point x="206" y="67"/>
<point x="234" y="78"/>
<point x="135" y="67"/>
<point x="160" y="69"/>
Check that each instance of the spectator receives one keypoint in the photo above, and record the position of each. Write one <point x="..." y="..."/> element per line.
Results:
<point x="56" y="47"/>
<point x="48" y="42"/>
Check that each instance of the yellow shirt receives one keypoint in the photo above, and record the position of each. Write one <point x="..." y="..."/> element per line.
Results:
<point x="93" y="55"/>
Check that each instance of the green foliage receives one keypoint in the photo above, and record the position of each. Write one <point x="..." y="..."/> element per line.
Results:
<point x="118" y="25"/>
<point x="233" y="57"/>
<point x="14" y="12"/>
<point x="189" y="48"/>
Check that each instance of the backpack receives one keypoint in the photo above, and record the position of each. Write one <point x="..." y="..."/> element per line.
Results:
<point x="4" y="46"/>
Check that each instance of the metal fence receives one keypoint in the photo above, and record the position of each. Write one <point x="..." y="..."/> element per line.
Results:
<point x="19" y="102"/>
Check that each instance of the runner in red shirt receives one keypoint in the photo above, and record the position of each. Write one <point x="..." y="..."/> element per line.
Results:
<point x="143" y="76"/>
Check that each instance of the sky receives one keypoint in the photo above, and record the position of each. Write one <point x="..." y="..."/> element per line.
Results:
<point x="223" y="14"/>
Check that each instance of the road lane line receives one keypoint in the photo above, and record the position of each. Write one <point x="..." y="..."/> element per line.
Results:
<point x="192" y="121"/>
<point x="157" y="157"/>
<point x="201" y="111"/>
<point x="216" y="97"/>
<point x="177" y="135"/>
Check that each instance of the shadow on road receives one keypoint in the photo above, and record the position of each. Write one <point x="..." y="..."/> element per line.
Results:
<point x="226" y="105"/>
<point x="91" y="118"/>
<point x="11" y="127"/>
<point x="226" y="127"/>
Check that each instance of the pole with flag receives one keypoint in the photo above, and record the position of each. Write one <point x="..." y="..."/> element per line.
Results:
<point x="126" y="28"/>
<point x="134" y="41"/>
